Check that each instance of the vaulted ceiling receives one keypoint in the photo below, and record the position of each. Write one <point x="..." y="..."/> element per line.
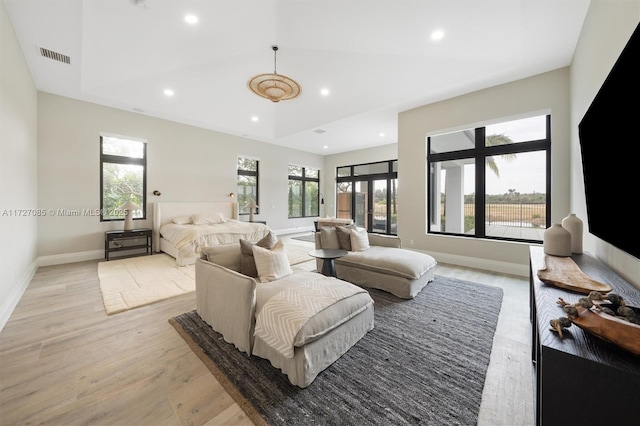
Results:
<point x="375" y="57"/>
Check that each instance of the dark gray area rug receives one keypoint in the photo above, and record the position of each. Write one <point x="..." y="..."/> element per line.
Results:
<point x="424" y="363"/>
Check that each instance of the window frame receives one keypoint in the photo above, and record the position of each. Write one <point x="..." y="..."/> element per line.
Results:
<point x="304" y="179"/>
<point x="256" y="174"/>
<point x="124" y="160"/>
<point x="479" y="154"/>
<point x="353" y="178"/>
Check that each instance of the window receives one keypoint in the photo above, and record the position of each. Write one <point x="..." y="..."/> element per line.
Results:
<point x="304" y="195"/>
<point x="123" y="177"/>
<point x="491" y="182"/>
<point x="248" y="172"/>
<point x="368" y="194"/>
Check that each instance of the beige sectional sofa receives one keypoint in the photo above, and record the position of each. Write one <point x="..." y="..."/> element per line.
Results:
<point x="234" y="304"/>
<point x="383" y="265"/>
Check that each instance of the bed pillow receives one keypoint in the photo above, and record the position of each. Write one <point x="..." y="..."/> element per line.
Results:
<point x="271" y="264"/>
<point x="359" y="240"/>
<point x="248" y="264"/>
<point x="208" y="219"/>
<point x="329" y="238"/>
<point x="183" y="220"/>
<point x="344" y="236"/>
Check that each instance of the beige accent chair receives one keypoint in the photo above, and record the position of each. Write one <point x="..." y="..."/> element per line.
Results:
<point x="230" y="302"/>
<point x="331" y="221"/>
<point x="385" y="265"/>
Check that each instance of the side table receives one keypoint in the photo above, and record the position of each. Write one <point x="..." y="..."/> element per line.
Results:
<point x="328" y="256"/>
<point x="111" y="236"/>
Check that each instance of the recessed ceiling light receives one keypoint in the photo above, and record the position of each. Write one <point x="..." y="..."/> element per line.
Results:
<point x="326" y="146"/>
<point x="324" y="92"/>
<point x="254" y="118"/>
<point x="381" y="135"/>
<point x="437" y="35"/>
<point x="168" y="92"/>
<point x="191" y="19"/>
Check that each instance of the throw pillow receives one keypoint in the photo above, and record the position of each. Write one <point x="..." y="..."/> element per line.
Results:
<point x="329" y="238"/>
<point x="359" y="240"/>
<point x="208" y="219"/>
<point x="344" y="236"/>
<point x="248" y="263"/>
<point x="184" y="220"/>
<point x="271" y="264"/>
<point x="224" y="255"/>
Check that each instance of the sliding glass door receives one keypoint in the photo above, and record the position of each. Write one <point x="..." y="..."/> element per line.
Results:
<point x="368" y="194"/>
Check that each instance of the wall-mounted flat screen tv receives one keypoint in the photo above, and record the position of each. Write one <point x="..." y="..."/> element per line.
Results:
<point x="609" y="136"/>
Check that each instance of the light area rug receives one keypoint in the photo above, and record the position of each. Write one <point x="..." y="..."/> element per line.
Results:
<point x="298" y="252"/>
<point x="138" y="281"/>
<point x="310" y="238"/>
<point x="424" y="363"/>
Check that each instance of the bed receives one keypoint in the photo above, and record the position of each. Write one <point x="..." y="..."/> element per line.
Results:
<point x="182" y="229"/>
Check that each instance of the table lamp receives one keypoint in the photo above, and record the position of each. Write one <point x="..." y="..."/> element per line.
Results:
<point x="252" y="205"/>
<point x="128" y="207"/>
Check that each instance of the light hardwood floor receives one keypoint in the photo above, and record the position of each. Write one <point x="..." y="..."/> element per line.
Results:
<point x="63" y="361"/>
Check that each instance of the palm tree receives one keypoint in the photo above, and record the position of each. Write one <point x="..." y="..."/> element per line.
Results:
<point x="494" y="140"/>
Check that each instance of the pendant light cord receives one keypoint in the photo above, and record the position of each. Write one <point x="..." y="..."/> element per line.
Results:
<point x="275" y="54"/>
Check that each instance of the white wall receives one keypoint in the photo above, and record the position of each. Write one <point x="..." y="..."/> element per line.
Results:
<point x="184" y="163"/>
<point x="18" y="170"/>
<point x="605" y="32"/>
<point x="544" y="93"/>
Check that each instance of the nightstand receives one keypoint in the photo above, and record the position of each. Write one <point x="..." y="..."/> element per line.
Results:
<point x="133" y="234"/>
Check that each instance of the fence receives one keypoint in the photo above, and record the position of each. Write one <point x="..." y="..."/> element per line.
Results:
<point x="512" y="214"/>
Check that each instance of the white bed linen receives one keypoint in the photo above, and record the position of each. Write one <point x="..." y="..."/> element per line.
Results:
<point x="190" y="239"/>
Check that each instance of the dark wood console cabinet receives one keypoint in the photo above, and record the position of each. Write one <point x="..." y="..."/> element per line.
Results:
<point x="580" y="379"/>
<point x="133" y="234"/>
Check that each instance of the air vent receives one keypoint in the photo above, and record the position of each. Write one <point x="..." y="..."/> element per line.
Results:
<point x="55" y="56"/>
<point x="320" y="131"/>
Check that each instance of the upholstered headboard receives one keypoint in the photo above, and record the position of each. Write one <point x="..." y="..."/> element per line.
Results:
<point x="165" y="212"/>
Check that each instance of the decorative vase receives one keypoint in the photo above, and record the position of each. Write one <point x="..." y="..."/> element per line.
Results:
<point x="128" y="220"/>
<point x="557" y="241"/>
<point x="573" y="224"/>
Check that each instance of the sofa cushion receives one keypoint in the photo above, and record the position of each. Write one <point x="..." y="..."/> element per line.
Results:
<point x="326" y="320"/>
<point x="359" y="240"/>
<point x="227" y="255"/>
<point x="333" y="222"/>
<point x="271" y="264"/>
<point x="344" y="236"/>
<point x="329" y="238"/>
<point x="405" y="263"/>
<point x="248" y="264"/>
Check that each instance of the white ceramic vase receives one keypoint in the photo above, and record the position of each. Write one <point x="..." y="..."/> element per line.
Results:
<point x="128" y="220"/>
<point x="573" y="224"/>
<point x="557" y="241"/>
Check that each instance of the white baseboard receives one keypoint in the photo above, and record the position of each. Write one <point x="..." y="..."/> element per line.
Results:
<point x="10" y="303"/>
<point x="477" y="263"/>
<point x="59" y="259"/>
<point x="298" y="230"/>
